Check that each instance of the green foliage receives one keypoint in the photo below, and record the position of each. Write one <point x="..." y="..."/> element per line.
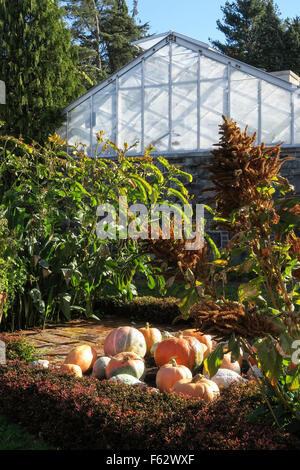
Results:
<point x="256" y="34"/>
<point x="14" y="437"/>
<point x="49" y="199"/>
<point x="38" y="65"/>
<point x="22" y="350"/>
<point x="102" y="31"/>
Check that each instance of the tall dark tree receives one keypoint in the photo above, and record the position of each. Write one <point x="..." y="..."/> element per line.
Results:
<point x="119" y="30"/>
<point x="254" y="33"/>
<point x="103" y="30"/>
<point x="291" y="60"/>
<point x="37" y="64"/>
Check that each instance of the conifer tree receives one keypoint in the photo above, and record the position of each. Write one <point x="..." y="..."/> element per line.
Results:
<point x="254" y="33"/>
<point x="37" y="64"/>
<point x="103" y="30"/>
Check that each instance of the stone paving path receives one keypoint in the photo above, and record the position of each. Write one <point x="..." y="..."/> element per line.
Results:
<point x="56" y="341"/>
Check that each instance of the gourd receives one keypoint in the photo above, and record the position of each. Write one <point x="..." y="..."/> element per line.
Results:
<point x="205" y="339"/>
<point x="83" y="356"/>
<point x="71" y="369"/>
<point x="169" y="374"/>
<point x="224" y="378"/>
<point x="197" y="387"/>
<point x="127" y="379"/>
<point x="99" y="367"/>
<point x="186" y="351"/>
<point x="125" y="338"/>
<point x="127" y="363"/>
<point x="151" y="335"/>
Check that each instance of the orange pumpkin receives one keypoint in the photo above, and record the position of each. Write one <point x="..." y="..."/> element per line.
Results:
<point x="71" y="369"/>
<point x="83" y="356"/>
<point x="169" y="374"/>
<point x="125" y="339"/>
<point x="187" y="351"/>
<point x="205" y="339"/>
<point x="197" y="387"/>
<point x="125" y="363"/>
<point x="151" y="335"/>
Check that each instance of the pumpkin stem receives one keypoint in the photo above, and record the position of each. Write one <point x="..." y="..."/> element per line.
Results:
<point x="147" y="326"/>
<point x="173" y="361"/>
<point x="197" y="378"/>
<point x="180" y="334"/>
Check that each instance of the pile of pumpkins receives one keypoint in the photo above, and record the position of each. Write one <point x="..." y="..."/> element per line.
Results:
<point x="177" y="357"/>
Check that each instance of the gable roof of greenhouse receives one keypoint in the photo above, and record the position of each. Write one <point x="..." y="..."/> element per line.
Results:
<point x="174" y="94"/>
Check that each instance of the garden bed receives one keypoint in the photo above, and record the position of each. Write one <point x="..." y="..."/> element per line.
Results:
<point x="86" y="413"/>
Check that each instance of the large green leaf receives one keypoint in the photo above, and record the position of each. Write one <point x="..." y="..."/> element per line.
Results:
<point x="213" y="362"/>
<point x="269" y="358"/>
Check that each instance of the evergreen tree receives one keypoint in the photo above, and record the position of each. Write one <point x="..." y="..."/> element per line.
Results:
<point x="291" y="60"/>
<point x="119" y="30"/>
<point x="103" y="30"/>
<point x="37" y="65"/>
<point x="85" y="17"/>
<point x="254" y="33"/>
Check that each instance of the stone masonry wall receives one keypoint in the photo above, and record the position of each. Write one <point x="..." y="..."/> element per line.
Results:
<point x="195" y="165"/>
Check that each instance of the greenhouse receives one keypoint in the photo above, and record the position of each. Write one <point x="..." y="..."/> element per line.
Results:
<point x="173" y="96"/>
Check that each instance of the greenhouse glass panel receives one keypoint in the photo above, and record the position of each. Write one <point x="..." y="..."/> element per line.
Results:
<point x="104" y="114"/>
<point x="244" y="100"/>
<point x="297" y="116"/>
<point x="157" y="67"/>
<point x="80" y="124"/>
<point x="213" y="99"/>
<point x="184" y="64"/>
<point x="130" y="109"/>
<point x="184" y="117"/>
<point x="156" y="117"/>
<point x="276" y="114"/>
<point x="156" y="96"/>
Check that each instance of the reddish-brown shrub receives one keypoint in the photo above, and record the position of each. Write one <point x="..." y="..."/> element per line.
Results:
<point x="85" y="413"/>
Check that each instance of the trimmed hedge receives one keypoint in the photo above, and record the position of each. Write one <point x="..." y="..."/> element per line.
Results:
<point x="161" y="310"/>
<point x="72" y="413"/>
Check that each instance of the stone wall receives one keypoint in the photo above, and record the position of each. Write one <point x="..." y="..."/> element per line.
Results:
<point x="195" y="165"/>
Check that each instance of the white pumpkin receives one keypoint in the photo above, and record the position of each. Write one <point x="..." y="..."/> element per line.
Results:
<point x="99" y="367"/>
<point x="224" y="378"/>
<point x="127" y="379"/>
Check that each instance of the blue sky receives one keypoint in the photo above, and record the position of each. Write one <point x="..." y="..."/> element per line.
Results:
<point x="194" y="18"/>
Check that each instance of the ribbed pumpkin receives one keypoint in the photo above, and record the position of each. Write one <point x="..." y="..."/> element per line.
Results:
<point x="205" y="339"/>
<point x="100" y="366"/>
<point x="169" y="374"/>
<point x="186" y="351"/>
<point x="83" y="356"/>
<point x="127" y="363"/>
<point x="198" y="387"/>
<point x="125" y="338"/>
<point x="71" y="369"/>
<point x="151" y="335"/>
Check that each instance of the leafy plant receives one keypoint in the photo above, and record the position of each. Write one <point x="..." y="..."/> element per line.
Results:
<point x="49" y="199"/>
<point x="251" y="203"/>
